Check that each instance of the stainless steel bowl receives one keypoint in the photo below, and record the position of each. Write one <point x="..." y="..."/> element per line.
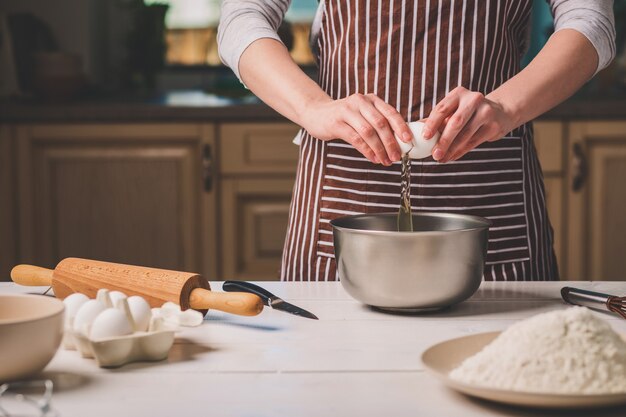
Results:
<point x="437" y="265"/>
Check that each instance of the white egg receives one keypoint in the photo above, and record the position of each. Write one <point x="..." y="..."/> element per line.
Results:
<point x="420" y="148"/>
<point x="111" y="322"/>
<point x="86" y="314"/>
<point x="114" y="296"/>
<point x="140" y="312"/>
<point x="73" y="303"/>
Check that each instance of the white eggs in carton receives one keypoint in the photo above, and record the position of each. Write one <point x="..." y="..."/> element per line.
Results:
<point x="115" y="329"/>
<point x="140" y="312"/>
<point x="85" y="316"/>
<point x="73" y="303"/>
<point x="112" y="322"/>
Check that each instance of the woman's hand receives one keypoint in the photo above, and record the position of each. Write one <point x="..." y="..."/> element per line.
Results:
<point x="466" y="119"/>
<point x="365" y="121"/>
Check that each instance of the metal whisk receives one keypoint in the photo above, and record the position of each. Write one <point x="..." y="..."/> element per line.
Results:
<point x="595" y="300"/>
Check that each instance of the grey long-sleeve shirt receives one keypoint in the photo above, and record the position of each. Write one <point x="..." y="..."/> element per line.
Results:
<point x="245" y="21"/>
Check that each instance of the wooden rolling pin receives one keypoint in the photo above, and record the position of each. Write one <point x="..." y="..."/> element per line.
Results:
<point x="157" y="286"/>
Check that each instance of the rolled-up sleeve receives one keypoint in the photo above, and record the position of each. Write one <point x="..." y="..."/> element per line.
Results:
<point x="245" y="21"/>
<point x="592" y="18"/>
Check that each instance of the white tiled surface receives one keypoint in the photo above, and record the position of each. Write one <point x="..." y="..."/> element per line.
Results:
<point x="352" y="362"/>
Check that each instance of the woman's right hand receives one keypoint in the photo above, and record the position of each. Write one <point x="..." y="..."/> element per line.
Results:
<point x="364" y="121"/>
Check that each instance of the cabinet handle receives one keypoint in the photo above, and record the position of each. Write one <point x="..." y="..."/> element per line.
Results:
<point x="207" y="168"/>
<point x="579" y="168"/>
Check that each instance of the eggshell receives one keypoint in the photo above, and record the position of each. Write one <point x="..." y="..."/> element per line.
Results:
<point x="140" y="312"/>
<point x="73" y="303"/>
<point x="86" y="315"/>
<point x="190" y="318"/>
<point x="169" y="310"/>
<point x="419" y="148"/>
<point x="114" y="296"/>
<point x="112" y="322"/>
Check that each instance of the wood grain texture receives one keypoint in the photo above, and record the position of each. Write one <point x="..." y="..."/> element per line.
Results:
<point x="606" y="222"/>
<point x="8" y="218"/>
<point x="596" y="229"/>
<point x="549" y="143"/>
<point x="208" y="215"/>
<point x="258" y="148"/>
<point x="32" y="276"/>
<point x="121" y="193"/>
<point x="554" y="203"/>
<point x="240" y="303"/>
<point x="255" y="214"/>
<point x="155" y="285"/>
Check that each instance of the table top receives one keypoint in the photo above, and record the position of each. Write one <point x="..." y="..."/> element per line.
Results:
<point x="354" y="361"/>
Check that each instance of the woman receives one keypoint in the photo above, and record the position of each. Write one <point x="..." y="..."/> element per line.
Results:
<point x="384" y="63"/>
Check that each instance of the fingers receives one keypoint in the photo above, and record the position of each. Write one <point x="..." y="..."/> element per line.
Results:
<point x="443" y="110"/>
<point x="369" y="124"/>
<point x="347" y="133"/>
<point x="468" y="104"/>
<point x="396" y="121"/>
<point x="383" y="129"/>
<point x="460" y="142"/>
<point x="368" y="133"/>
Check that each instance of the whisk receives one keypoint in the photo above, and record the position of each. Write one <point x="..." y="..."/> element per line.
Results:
<point x="595" y="300"/>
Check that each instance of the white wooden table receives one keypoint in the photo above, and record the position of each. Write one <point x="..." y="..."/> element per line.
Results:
<point x="352" y="362"/>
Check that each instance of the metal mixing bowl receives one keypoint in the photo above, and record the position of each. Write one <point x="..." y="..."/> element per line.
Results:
<point x="437" y="265"/>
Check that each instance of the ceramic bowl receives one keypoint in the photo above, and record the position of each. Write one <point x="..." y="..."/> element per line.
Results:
<point x="31" y="329"/>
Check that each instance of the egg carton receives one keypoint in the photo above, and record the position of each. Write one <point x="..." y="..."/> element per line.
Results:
<point x="115" y="330"/>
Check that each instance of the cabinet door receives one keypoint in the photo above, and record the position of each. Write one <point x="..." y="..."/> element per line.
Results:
<point x="551" y="151"/>
<point x="8" y="231"/>
<point x="255" y="214"/>
<point x="596" y="201"/>
<point x="258" y="148"/>
<point x="554" y="202"/>
<point x="121" y="193"/>
<point x="549" y="143"/>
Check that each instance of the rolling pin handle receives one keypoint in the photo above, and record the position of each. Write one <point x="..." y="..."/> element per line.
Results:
<point x="31" y="276"/>
<point x="243" y="304"/>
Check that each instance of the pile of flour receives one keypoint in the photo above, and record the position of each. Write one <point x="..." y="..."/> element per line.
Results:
<point x="566" y="352"/>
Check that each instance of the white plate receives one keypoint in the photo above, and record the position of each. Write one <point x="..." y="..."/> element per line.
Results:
<point x="443" y="357"/>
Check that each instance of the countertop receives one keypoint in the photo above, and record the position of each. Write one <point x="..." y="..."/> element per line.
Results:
<point x="354" y="361"/>
<point x="197" y="106"/>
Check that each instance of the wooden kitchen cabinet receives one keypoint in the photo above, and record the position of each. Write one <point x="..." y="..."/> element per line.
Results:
<point x="257" y="171"/>
<point x="129" y="193"/>
<point x="137" y="193"/>
<point x="549" y="138"/>
<point x="258" y="148"/>
<point x="554" y="203"/>
<point x="8" y="215"/>
<point x="596" y="200"/>
<point x="255" y="213"/>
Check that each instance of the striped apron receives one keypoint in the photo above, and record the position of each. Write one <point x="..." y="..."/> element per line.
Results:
<point x="411" y="54"/>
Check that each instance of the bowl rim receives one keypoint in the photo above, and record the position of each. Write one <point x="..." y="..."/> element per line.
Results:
<point x="60" y="308"/>
<point x="486" y="223"/>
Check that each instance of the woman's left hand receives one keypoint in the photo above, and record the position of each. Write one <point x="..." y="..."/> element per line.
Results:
<point x="466" y="119"/>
